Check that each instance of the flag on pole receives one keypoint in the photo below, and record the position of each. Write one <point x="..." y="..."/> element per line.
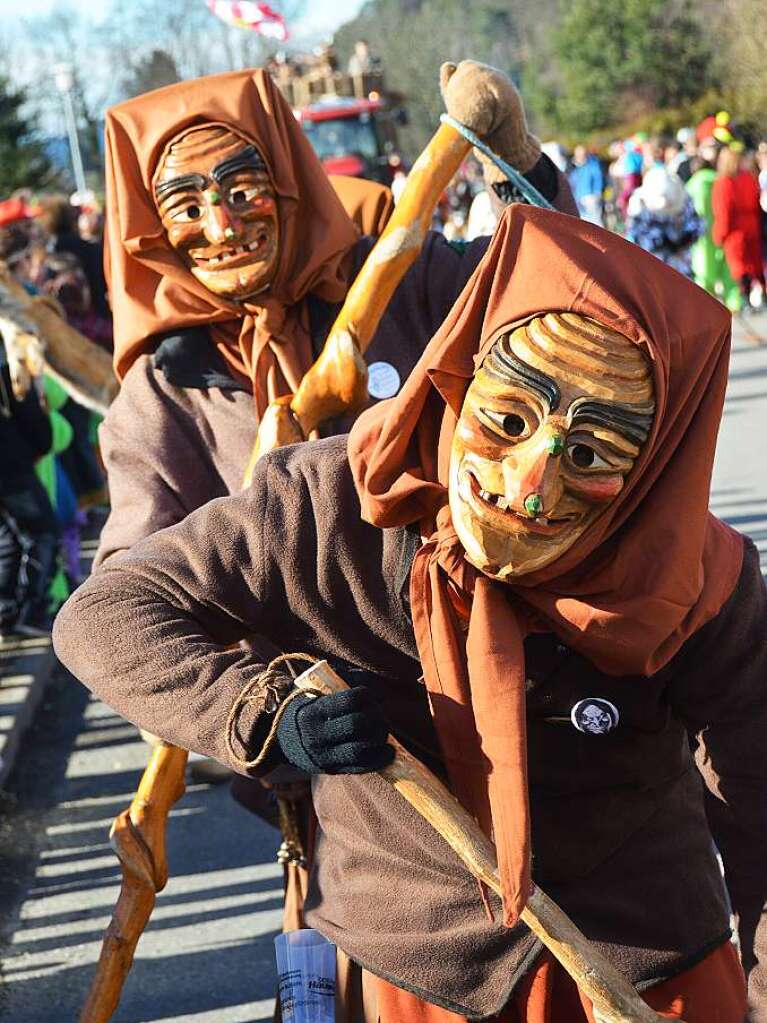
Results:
<point x="251" y="14"/>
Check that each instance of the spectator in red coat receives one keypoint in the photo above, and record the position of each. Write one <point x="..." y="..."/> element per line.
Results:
<point x="737" y="221"/>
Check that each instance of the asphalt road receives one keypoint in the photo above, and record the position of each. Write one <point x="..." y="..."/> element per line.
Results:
<point x="207" y="956"/>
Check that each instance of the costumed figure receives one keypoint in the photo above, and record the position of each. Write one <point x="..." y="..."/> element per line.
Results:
<point x="662" y="219"/>
<point x="738" y="222"/>
<point x="514" y="564"/>
<point x="709" y="267"/>
<point x="229" y="255"/>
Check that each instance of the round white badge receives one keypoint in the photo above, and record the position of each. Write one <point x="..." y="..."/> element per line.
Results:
<point x="383" y="380"/>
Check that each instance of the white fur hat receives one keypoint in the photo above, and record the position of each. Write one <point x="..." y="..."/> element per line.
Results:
<point x="661" y="192"/>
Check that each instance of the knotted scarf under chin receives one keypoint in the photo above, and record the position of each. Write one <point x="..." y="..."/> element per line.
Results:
<point x="270" y="349"/>
<point x="470" y="642"/>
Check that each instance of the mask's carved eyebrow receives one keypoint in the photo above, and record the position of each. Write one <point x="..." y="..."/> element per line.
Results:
<point x="502" y="364"/>
<point x="181" y="184"/>
<point x="632" y="423"/>
<point x="248" y="158"/>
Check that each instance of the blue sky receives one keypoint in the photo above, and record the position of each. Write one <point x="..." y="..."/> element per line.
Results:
<point x="322" y="16"/>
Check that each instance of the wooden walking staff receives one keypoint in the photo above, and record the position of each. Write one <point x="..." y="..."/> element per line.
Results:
<point x="38" y="339"/>
<point x="613" y="997"/>
<point x="138" y="838"/>
<point x="335" y="385"/>
<point x="337" y="382"/>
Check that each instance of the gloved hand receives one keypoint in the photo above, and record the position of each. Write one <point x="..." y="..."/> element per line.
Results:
<point x="485" y="100"/>
<point x="342" y="733"/>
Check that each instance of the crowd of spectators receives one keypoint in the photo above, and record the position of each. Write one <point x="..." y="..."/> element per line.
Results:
<point x="50" y="476"/>
<point x="698" y="201"/>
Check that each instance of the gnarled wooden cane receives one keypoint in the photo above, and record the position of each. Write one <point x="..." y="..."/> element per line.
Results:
<point x="138" y="838"/>
<point x="613" y="997"/>
<point x="335" y="385"/>
<point x="337" y="382"/>
<point x="38" y="339"/>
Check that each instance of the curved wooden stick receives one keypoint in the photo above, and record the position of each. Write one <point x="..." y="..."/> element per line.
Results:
<point x="138" y="838"/>
<point x="613" y="997"/>
<point x="336" y="383"/>
<point x="39" y="338"/>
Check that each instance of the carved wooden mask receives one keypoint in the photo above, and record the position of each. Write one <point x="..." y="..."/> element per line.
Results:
<point x="551" y="425"/>
<point x="219" y="210"/>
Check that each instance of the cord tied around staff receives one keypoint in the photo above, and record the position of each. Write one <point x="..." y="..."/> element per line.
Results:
<point x="520" y="182"/>
<point x="272" y="688"/>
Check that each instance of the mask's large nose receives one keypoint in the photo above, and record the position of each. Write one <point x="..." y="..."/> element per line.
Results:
<point x="221" y="225"/>
<point x="532" y="472"/>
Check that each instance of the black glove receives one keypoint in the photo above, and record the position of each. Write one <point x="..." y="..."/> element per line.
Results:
<point x="342" y="733"/>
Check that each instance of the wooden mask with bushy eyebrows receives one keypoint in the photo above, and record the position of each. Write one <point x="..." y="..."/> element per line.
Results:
<point x="219" y="210"/>
<point x="550" y="427"/>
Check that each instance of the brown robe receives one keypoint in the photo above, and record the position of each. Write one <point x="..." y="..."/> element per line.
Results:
<point x="622" y="826"/>
<point x="169" y="446"/>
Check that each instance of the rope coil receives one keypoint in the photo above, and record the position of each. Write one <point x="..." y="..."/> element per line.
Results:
<point x="273" y="680"/>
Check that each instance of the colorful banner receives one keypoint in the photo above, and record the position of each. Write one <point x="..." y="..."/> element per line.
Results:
<point x="258" y="17"/>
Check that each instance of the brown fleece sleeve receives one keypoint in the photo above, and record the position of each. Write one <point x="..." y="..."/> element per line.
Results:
<point x="142" y="496"/>
<point x="151" y="632"/>
<point x="721" y="691"/>
<point x="158" y="468"/>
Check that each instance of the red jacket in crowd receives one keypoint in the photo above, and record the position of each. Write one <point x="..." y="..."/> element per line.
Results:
<point x="737" y="223"/>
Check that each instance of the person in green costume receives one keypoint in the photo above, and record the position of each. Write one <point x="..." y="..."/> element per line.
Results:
<point x="709" y="266"/>
<point x="48" y="474"/>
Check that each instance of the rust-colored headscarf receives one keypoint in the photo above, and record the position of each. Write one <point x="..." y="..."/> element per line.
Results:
<point x="266" y="340"/>
<point x="649" y="572"/>
<point x="368" y="203"/>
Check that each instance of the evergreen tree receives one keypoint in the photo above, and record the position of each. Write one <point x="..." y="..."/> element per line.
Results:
<point x="741" y="30"/>
<point x="618" y="61"/>
<point x="23" y="163"/>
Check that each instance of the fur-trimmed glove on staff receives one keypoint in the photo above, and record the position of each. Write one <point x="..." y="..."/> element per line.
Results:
<point x="485" y="100"/>
<point x="342" y="733"/>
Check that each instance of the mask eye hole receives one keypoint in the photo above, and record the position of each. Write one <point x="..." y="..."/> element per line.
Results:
<point x="583" y="456"/>
<point x="514" y="425"/>
<point x="511" y="424"/>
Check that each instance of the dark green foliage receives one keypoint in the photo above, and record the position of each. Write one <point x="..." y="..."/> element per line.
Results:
<point x="23" y="163"/>
<point x="584" y="66"/>
<point x="617" y="61"/>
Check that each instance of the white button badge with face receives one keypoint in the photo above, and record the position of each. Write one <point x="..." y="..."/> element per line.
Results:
<point x="383" y="380"/>
<point x="595" y="716"/>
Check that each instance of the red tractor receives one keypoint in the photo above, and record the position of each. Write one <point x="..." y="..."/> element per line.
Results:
<point x="354" y="136"/>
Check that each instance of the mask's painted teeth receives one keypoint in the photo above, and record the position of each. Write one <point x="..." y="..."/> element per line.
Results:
<point x="237" y="250"/>
<point x="496" y="499"/>
<point x="500" y="502"/>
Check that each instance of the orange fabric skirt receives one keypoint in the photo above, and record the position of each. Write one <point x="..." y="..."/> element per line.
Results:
<point x="713" y="991"/>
